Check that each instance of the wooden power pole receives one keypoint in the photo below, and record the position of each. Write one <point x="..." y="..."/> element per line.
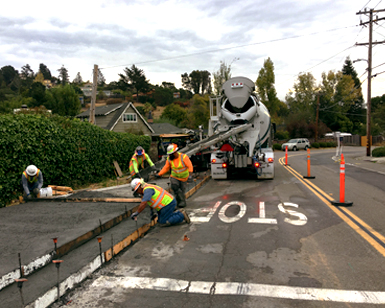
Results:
<point x="93" y="96"/>
<point x="369" y="96"/>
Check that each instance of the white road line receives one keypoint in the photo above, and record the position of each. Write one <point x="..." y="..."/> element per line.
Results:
<point x="262" y="209"/>
<point x="242" y="289"/>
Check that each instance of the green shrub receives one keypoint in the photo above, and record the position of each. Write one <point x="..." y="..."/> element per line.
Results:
<point x="277" y="146"/>
<point x="379" y="152"/>
<point x="323" y="144"/>
<point x="69" y="152"/>
<point x="331" y="144"/>
<point x="315" y="145"/>
<point x="281" y="135"/>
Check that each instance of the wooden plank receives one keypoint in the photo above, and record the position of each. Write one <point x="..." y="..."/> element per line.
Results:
<point x="120" y="173"/>
<point x="61" y="188"/>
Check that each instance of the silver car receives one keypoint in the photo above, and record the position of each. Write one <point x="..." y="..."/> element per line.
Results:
<point x="296" y="144"/>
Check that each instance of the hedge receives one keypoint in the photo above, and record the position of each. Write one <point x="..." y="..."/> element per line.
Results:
<point x="379" y="152"/>
<point x="69" y="152"/>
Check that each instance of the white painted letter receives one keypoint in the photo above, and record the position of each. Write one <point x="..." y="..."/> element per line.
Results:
<point x="302" y="219"/>
<point x="242" y="210"/>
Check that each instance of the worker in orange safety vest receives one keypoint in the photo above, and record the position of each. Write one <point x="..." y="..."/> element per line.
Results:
<point x="181" y="167"/>
<point x="160" y="201"/>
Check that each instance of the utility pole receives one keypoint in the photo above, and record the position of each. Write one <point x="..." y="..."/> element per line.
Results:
<point x="93" y="96"/>
<point x="369" y="96"/>
<point x="316" y="118"/>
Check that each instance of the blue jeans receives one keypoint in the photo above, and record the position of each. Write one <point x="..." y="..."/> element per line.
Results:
<point x="167" y="214"/>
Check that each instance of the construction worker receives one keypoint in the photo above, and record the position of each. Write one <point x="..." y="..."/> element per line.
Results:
<point x="160" y="201"/>
<point x="137" y="160"/>
<point x="181" y="167"/>
<point x="32" y="182"/>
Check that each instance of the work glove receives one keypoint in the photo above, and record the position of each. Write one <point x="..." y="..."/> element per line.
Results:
<point x="158" y="176"/>
<point x="134" y="215"/>
<point x="190" y="179"/>
<point x="36" y="191"/>
<point x="29" y="197"/>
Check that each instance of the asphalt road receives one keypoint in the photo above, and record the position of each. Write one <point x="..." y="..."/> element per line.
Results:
<point x="273" y="243"/>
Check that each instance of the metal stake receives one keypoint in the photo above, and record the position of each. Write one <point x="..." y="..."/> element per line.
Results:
<point x="20" y="267"/>
<point x="57" y="264"/>
<point x="20" y="286"/>
<point x="100" y="249"/>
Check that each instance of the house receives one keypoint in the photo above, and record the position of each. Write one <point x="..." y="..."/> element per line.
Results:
<point x="165" y="128"/>
<point x="123" y="117"/>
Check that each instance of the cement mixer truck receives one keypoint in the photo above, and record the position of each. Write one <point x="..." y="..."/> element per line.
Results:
<point x="239" y="137"/>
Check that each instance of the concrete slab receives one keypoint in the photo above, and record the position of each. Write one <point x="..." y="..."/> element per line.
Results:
<point x="28" y="229"/>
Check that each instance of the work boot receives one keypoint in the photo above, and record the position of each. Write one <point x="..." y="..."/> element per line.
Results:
<point x="167" y="224"/>
<point x="186" y="217"/>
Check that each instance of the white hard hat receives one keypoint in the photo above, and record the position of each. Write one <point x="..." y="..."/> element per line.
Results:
<point x="172" y="148"/>
<point x="31" y="170"/>
<point x="135" y="184"/>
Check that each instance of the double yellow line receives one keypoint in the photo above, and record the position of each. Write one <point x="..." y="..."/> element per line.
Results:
<point x="367" y="232"/>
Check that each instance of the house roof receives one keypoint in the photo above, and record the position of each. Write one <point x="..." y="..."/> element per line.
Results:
<point x="165" y="128"/>
<point x="119" y="109"/>
<point x="102" y="110"/>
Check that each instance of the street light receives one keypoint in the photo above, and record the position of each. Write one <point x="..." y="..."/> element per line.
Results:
<point x="368" y="104"/>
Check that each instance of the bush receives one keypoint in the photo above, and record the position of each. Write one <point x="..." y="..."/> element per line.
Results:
<point x="315" y="145"/>
<point x="277" y="146"/>
<point x="69" y="152"/>
<point x="323" y="144"/>
<point x="281" y="135"/>
<point x="331" y="144"/>
<point x="379" y="152"/>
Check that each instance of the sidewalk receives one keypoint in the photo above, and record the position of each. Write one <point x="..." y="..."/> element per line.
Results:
<point x="375" y="164"/>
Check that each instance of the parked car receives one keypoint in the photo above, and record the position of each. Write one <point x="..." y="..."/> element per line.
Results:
<point x="296" y="144"/>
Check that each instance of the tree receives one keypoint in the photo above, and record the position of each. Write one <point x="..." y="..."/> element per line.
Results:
<point x="45" y="71"/>
<point x="78" y="79"/>
<point x="63" y="75"/>
<point x="37" y="93"/>
<point x="199" y="112"/>
<point x="27" y="73"/>
<point x="221" y="76"/>
<point x="101" y="79"/>
<point x="356" y="111"/>
<point x="266" y="89"/>
<point x="163" y="96"/>
<point x="135" y="79"/>
<point x="175" y="113"/>
<point x="304" y="93"/>
<point x="39" y="78"/>
<point x="10" y="77"/>
<point x="197" y="81"/>
<point x="378" y="115"/>
<point x="63" y="100"/>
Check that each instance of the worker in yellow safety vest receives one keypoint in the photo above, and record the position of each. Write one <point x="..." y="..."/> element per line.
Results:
<point x="160" y="201"/>
<point x="181" y="167"/>
<point x="32" y="182"/>
<point x="137" y="161"/>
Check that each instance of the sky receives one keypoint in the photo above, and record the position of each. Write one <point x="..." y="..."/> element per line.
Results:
<point x="168" y="38"/>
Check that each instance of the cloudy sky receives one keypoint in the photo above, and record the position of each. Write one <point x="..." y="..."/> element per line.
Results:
<point x="167" y="38"/>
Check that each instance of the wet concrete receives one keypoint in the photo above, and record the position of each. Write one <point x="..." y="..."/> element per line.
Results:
<point x="29" y="229"/>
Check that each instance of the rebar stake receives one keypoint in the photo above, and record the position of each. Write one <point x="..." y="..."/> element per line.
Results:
<point x="20" y="286"/>
<point x="57" y="264"/>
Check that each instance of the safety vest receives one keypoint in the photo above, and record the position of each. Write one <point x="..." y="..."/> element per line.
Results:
<point x="160" y="199"/>
<point x="178" y="167"/>
<point x="32" y="179"/>
<point x="136" y="158"/>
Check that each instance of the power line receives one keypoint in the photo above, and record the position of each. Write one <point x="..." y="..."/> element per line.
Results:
<point x="228" y="48"/>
